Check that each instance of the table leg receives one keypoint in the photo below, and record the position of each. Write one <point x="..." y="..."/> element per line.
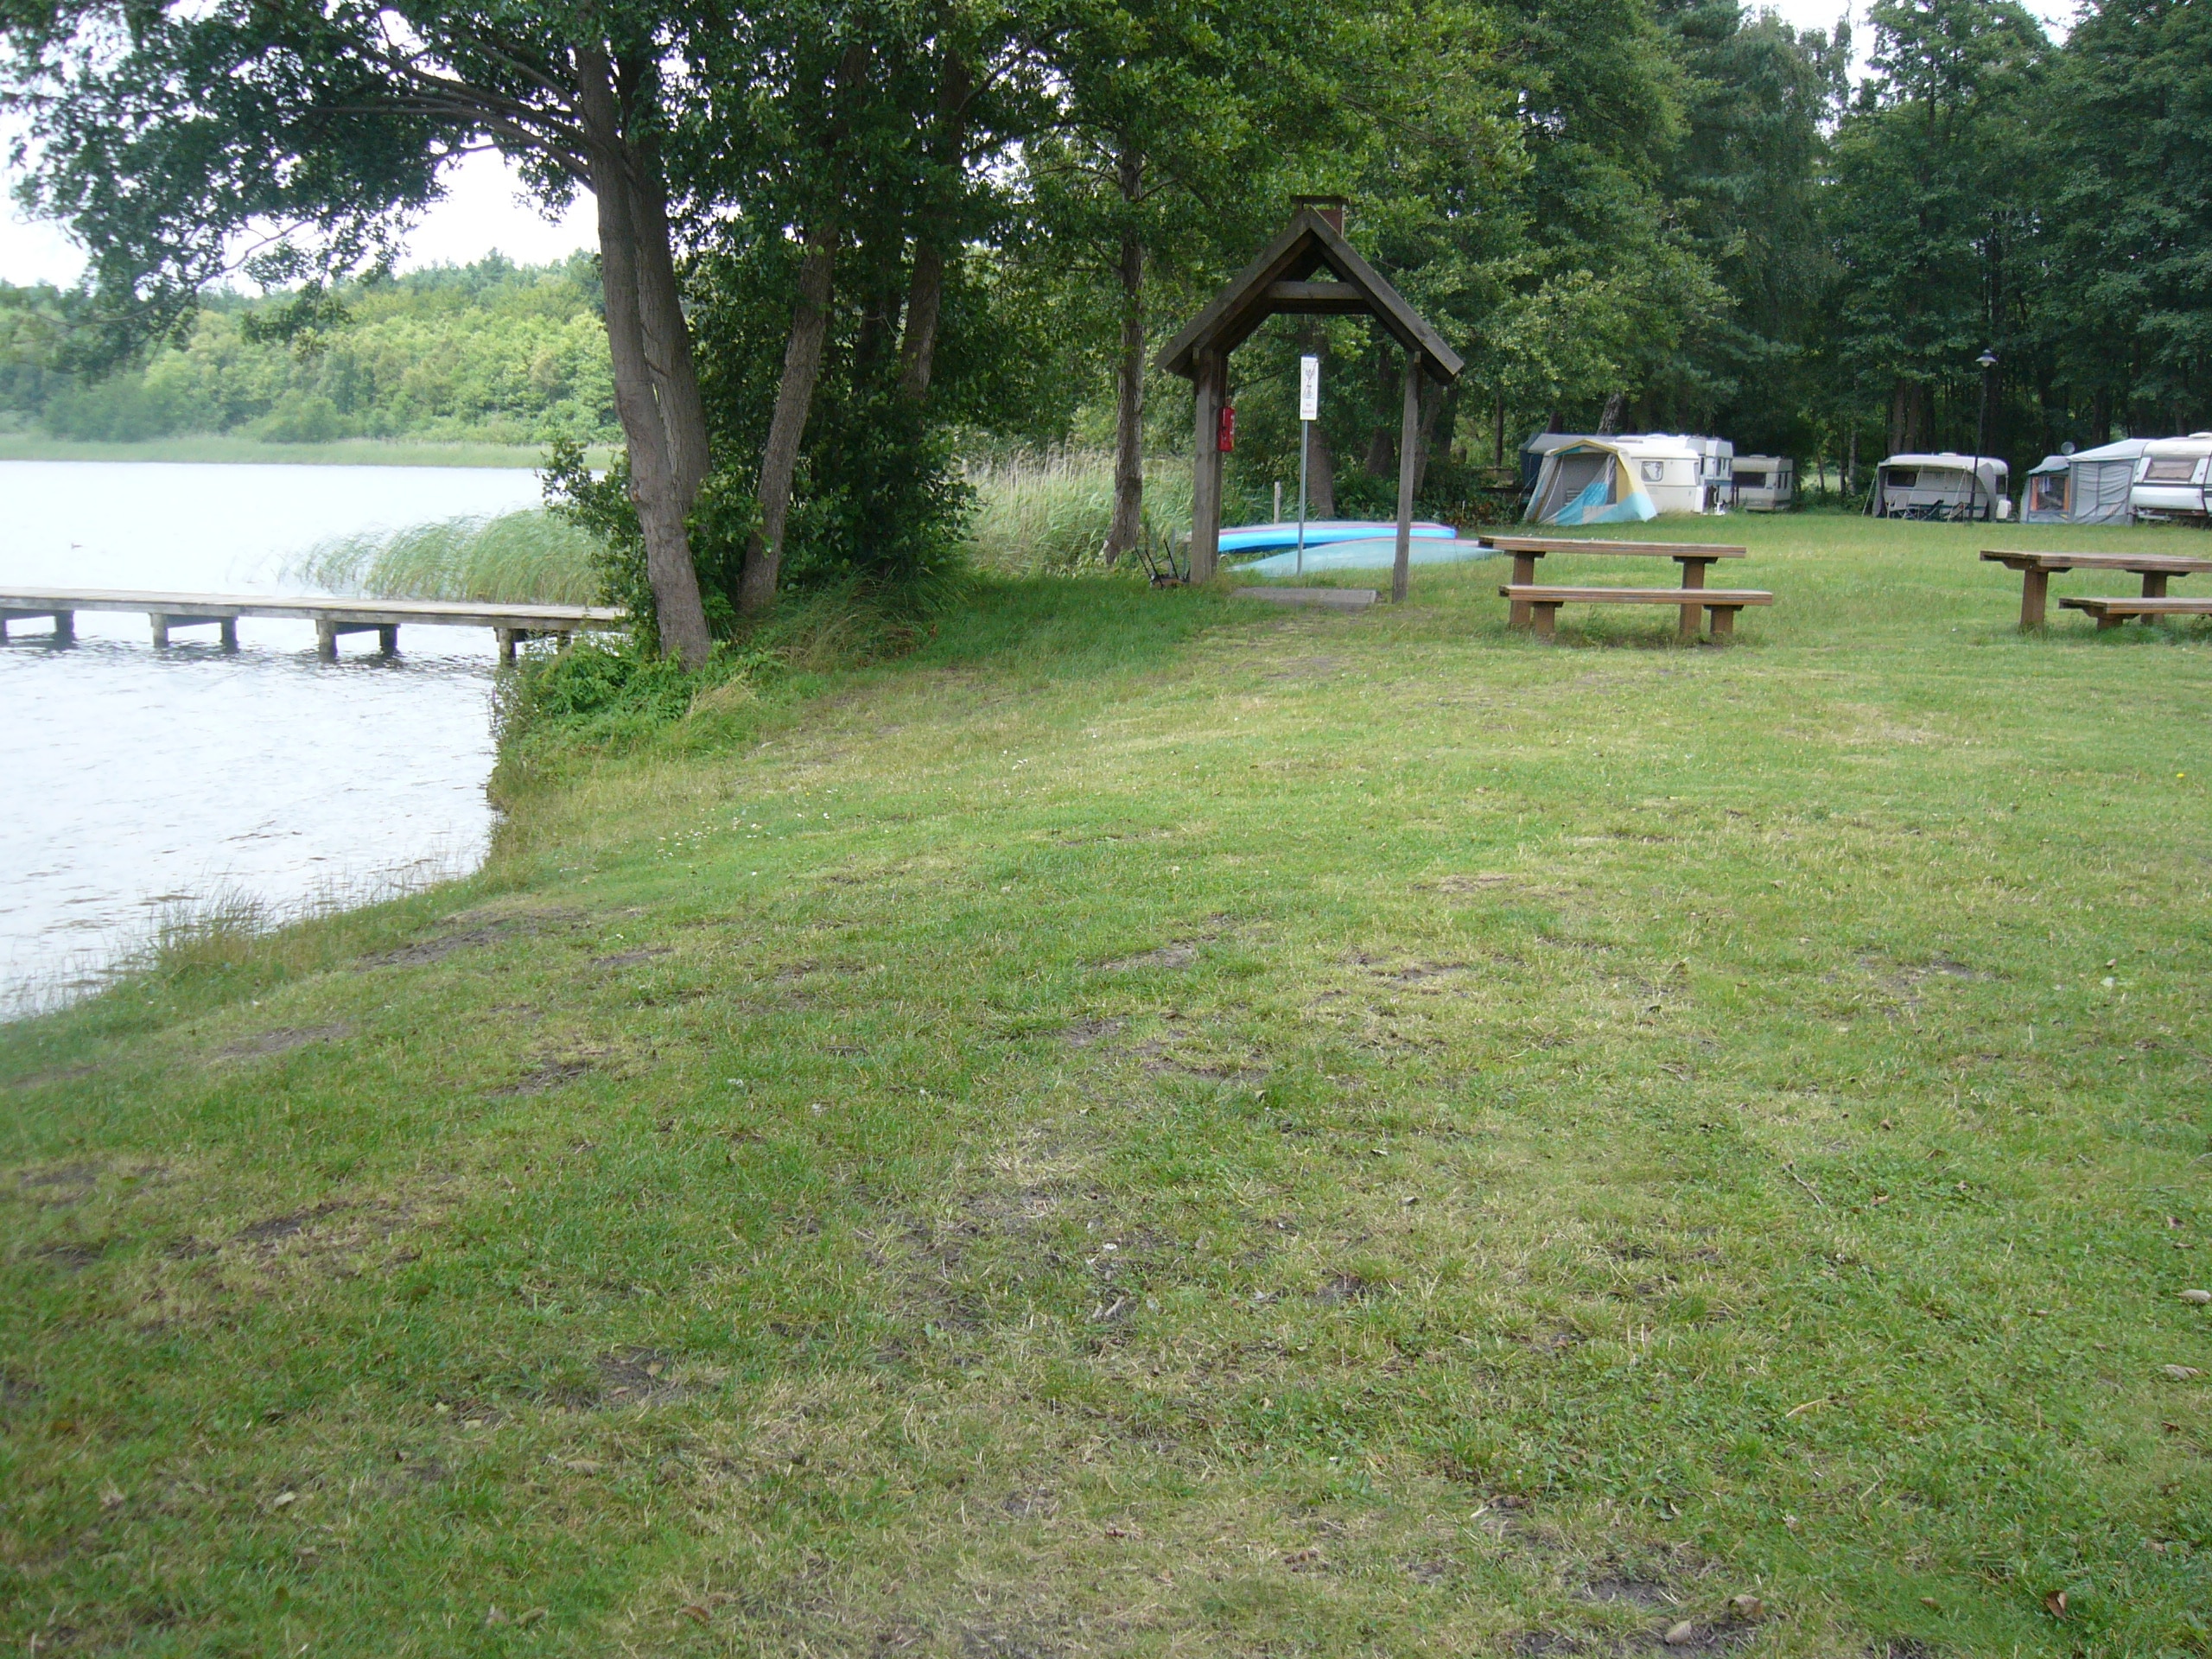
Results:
<point x="1545" y="619"/>
<point x="1693" y="576"/>
<point x="1524" y="572"/>
<point x="2035" y="588"/>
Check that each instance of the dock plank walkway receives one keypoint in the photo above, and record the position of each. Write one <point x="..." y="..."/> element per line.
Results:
<point x="332" y="615"/>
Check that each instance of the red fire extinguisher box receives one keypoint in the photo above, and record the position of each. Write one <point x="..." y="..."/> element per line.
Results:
<point x="1226" y="439"/>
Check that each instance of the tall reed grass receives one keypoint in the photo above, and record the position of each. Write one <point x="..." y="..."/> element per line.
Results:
<point x="524" y="557"/>
<point x="1049" y="511"/>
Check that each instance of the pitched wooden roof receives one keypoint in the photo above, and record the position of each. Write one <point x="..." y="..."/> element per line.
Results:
<point x="1280" y="279"/>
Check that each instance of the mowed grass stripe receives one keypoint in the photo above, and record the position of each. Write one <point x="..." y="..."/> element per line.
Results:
<point x="1144" y="1130"/>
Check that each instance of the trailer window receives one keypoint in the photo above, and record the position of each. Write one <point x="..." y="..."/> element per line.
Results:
<point x="1901" y="477"/>
<point x="1751" y="480"/>
<point x="2176" y="471"/>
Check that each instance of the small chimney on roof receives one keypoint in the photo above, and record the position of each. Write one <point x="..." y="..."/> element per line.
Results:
<point x="1329" y="208"/>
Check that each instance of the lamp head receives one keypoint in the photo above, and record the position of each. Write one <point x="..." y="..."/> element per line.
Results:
<point x="1987" y="360"/>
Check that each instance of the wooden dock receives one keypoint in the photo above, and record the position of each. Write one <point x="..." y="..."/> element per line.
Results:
<point x="510" y="624"/>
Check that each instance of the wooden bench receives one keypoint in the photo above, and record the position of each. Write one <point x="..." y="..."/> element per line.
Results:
<point x="1543" y="604"/>
<point x="1693" y="557"/>
<point x="2111" y="613"/>
<point x="2038" y="569"/>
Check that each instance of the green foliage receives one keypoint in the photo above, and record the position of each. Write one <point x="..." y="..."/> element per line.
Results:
<point x="490" y="352"/>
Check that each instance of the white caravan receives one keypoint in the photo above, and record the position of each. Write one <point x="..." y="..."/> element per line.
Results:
<point x="1947" y="485"/>
<point x="2170" y="479"/>
<point x="1765" y="483"/>
<point x="1680" y="473"/>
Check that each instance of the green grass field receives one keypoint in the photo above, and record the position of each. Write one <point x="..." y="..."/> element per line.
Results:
<point x="344" y="452"/>
<point x="1154" y="1127"/>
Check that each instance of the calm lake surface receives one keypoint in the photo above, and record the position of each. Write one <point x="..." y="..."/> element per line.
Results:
<point x="141" y="783"/>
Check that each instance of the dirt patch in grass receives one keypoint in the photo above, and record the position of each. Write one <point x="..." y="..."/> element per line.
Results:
<point x="1633" y="1591"/>
<point x="542" y="1079"/>
<point x="1085" y="1033"/>
<point x="64" y="1184"/>
<point x="628" y="959"/>
<point x="277" y="1227"/>
<point x="65" y="1074"/>
<point x="74" y="1257"/>
<point x="635" y="1377"/>
<point x="283" y="1040"/>
<point x="438" y="949"/>
<point x="1181" y="954"/>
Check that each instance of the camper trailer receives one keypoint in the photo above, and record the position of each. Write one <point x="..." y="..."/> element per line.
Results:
<point x="1947" y="486"/>
<point x="1765" y="483"/>
<point x="2170" y="477"/>
<point x="2089" y="486"/>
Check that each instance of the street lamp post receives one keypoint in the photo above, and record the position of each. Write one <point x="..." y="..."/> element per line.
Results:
<point x="1988" y="362"/>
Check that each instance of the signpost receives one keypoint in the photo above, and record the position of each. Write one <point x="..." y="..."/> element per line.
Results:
<point x="1309" y="410"/>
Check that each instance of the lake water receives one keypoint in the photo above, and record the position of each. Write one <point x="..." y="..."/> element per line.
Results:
<point x="143" y="782"/>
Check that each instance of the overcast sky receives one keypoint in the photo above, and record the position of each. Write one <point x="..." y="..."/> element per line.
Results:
<point x="483" y="209"/>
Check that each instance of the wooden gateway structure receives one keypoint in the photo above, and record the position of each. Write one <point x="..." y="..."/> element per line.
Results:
<point x="1283" y="279"/>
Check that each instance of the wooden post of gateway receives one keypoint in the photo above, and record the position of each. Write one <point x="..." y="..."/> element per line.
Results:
<point x="1285" y="278"/>
<point x="1205" y="464"/>
<point x="1408" y="440"/>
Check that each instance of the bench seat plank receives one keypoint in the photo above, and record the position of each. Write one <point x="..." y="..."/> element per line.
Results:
<point x="1615" y="549"/>
<point x="1722" y="603"/>
<point x="1706" y="596"/>
<point x="2111" y="613"/>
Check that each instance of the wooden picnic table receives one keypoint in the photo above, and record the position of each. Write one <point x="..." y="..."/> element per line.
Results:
<point x="1693" y="557"/>
<point x="2038" y="569"/>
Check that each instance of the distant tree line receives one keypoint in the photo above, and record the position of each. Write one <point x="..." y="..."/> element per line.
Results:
<point x="490" y="352"/>
<point x="840" y="240"/>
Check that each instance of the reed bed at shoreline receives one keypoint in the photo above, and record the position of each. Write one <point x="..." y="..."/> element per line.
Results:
<point x="1040" y="513"/>
<point x="526" y="557"/>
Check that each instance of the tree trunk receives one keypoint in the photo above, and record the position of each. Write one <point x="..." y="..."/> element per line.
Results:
<point x="1497" y="430"/>
<point x="1383" y="437"/>
<point x="668" y="337"/>
<point x="925" y="300"/>
<point x="925" y="291"/>
<point x="1128" y="406"/>
<point x="1320" y="471"/>
<point x="1610" y="420"/>
<point x="1909" y="417"/>
<point x="764" y="550"/>
<point x="1435" y="400"/>
<point x="655" y="487"/>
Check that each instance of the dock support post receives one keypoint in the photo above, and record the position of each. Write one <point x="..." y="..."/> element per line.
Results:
<point x="326" y="639"/>
<point x="65" y="627"/>
<point x="560" y="641"/>
<point x="388" y="639"/>
<point x="230" y="633"/>
<point x="161" y="630"/>
<point x="505" y="636"/>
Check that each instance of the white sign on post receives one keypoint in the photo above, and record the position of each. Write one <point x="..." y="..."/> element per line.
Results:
<point x="1309" y="388"/>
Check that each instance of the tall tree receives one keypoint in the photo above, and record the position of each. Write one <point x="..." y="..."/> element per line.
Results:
<point x="1938" y="173"/>
<point x="2131" y="198"/>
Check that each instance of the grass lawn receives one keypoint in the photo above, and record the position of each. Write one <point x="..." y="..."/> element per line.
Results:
<point x="344" y="452"/>
<point x="1159" y="1127"/>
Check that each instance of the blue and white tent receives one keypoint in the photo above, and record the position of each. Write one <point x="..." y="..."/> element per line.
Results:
<point x="1590" y="481"/>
